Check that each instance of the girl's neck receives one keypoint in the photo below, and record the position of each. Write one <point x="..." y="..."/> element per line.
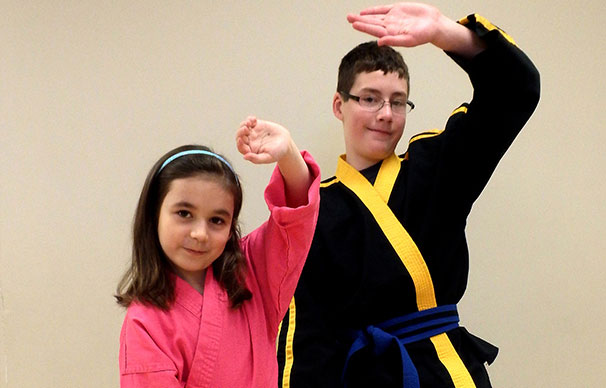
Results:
<point x="198" y="284"/>
<point x="196" y="280"/>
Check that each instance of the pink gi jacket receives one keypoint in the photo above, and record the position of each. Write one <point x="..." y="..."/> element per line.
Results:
<point x="201" y="341"/>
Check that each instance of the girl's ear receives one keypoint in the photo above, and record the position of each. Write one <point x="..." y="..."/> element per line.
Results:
<point x="337" y="103"/>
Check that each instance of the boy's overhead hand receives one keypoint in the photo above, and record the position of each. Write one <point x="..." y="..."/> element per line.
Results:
<point x="414" y="24"/>
<point x="262" y="141"/>
<point x="401" y="24"/>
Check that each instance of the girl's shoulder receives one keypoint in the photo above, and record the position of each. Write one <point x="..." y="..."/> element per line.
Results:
<point x="141" y="310"/>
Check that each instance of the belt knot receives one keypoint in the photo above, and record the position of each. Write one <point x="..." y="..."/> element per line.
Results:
<point x="403" y="330"/>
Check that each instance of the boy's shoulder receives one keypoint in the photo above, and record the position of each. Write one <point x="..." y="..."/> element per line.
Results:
<point x="328" y="182"/>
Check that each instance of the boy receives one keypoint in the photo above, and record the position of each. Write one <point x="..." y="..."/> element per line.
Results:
<point x="376" y="303"/>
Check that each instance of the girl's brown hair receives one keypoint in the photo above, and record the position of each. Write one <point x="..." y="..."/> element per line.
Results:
<point x="148" y="279"/>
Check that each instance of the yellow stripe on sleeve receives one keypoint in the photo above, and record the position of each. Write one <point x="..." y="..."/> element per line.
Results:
<point x="488" y="26"/>
<point x="288" y="348"/>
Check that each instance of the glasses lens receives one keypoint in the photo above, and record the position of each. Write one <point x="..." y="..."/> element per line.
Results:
<point x="399" y="106"/>
<point x="370" y="102"/>
<point x="374" y="103"/>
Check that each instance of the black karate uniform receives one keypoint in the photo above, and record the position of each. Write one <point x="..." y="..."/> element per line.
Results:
<point x="353" y="278"/>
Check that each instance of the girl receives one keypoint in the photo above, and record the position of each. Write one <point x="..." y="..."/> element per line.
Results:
<point x="204" y="304"/>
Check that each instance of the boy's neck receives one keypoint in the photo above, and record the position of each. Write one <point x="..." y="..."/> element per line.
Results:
<point x="361" y="163"/>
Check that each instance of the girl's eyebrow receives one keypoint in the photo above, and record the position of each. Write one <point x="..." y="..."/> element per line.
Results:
<point x="184" y="204"/>
<point x="187" y="205"/>
<point x="223" y="212"/>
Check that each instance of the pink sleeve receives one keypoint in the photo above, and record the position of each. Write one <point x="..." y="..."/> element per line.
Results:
<point x="150" y="380"/>
<point x="277" y="249"/>
<point x="142" y="363"/>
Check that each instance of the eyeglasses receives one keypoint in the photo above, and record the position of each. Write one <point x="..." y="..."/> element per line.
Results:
<point x="373" y="103"/>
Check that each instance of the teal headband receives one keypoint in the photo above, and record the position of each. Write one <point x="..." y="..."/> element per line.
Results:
<point x="200" y="152"/>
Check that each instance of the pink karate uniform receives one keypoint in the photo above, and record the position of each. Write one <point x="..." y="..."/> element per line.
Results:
<point x="201" y="341"/>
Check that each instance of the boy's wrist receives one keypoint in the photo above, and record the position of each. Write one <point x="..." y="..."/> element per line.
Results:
<point x="458" y="39"/>
<point x="444" y="32"/>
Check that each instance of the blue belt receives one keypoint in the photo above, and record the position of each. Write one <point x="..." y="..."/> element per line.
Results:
<point x="404" y="330"/>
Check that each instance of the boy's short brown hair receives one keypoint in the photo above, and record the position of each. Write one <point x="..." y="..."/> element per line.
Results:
<point x="366" y="58"/>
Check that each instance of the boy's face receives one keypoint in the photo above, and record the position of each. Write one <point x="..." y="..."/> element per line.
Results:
<point x="371" y="136"/>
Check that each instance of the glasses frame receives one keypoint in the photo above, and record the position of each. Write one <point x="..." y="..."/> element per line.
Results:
<point x="357" y="99"/>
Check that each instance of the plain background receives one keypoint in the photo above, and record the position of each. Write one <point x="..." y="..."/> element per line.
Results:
<point x="93" y="92"/>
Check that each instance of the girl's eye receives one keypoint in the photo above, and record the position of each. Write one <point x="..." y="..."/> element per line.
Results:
<point x="183" y="213"/>
<point x="218" y="221"/>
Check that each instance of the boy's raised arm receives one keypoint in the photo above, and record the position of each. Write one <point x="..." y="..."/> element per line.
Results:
<point x="413" y="24"/>
<point x="263" y="142"/>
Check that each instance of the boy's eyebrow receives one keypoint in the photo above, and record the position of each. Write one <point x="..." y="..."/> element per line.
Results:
<point x="376" y="91"/>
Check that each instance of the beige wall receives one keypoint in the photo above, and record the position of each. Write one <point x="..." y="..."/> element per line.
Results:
<point x="91" y="93"/>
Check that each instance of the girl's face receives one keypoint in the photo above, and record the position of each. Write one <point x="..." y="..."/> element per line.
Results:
<point x="194" y="225"/>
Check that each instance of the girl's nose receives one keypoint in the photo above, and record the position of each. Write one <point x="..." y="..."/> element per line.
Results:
<point x="199" y="232"/>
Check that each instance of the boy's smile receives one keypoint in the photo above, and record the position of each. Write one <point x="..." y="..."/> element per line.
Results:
<point x="371" y="136"/>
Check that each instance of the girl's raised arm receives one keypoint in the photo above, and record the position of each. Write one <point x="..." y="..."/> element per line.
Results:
<point x="263" y="142"/>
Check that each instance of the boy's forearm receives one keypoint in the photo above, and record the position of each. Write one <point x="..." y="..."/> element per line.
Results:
<point x="297" y="177"/>
<point x="457" y="39"/>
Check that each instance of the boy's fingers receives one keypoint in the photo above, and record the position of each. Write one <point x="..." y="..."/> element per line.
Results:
<point x="371" y="29"/>
<point x="368" y="19"/>
<point x="379" y="9"/>
<point x="399" y="40"/>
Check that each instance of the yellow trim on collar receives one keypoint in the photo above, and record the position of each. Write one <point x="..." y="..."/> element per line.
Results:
<point x="375" y="198"/>
<point x="386" y="178"/>
<point x="406" y="249"/>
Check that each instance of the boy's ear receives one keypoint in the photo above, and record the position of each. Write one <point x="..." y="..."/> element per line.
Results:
<point x="337" y="103"/>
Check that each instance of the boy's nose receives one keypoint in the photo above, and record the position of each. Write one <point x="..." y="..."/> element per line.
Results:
<point x="385" y="112"/>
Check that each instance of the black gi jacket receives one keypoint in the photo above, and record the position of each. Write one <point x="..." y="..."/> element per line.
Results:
<point x="353" y="278"/>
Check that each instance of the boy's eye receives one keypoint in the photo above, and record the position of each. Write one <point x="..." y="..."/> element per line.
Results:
<point x="369" y="99"/>
<point x="398" y="102"/>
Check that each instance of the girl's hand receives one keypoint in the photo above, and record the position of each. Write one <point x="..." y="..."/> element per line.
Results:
<point x="266" y="142"/>
<point x="262" y="141"/>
